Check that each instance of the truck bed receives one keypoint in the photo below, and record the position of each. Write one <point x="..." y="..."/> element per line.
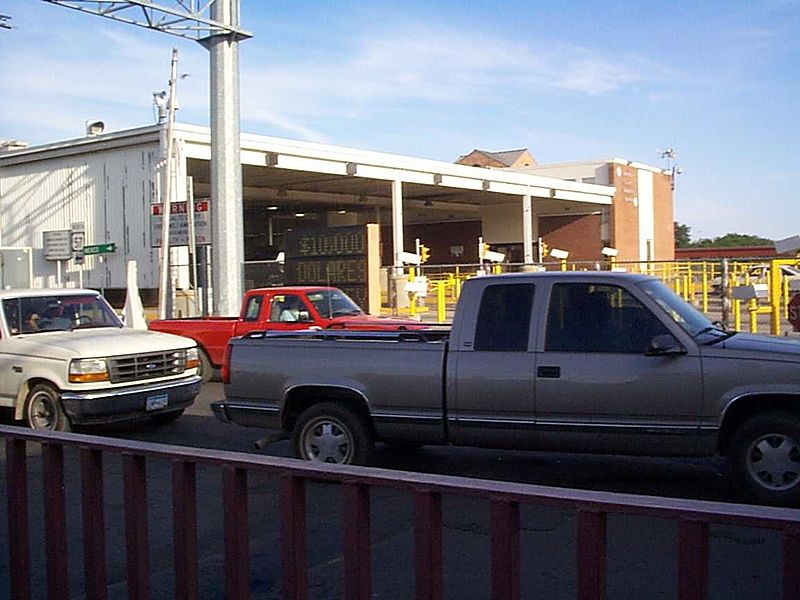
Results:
<point x="401" y="372"/>
<point x="210" y="333"/>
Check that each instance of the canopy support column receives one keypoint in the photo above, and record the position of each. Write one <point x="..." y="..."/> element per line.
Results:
<point x="527" y="229"/>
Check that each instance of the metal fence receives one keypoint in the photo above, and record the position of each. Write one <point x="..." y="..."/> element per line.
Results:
<point x="708" y="284"/>
<point x="502" y="501"/>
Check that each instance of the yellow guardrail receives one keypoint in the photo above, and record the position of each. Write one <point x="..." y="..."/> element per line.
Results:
<point x="699" y="282"/>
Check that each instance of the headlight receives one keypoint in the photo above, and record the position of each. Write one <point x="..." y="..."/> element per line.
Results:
<point x="88" y="370"/>
<point x="192" y="358"/>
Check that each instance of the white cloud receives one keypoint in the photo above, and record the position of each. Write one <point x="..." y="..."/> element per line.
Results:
<point x="112" y="73"/>
<point x="432" y="66"/>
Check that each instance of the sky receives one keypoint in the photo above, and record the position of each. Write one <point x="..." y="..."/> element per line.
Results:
<point x="717" y="81"/>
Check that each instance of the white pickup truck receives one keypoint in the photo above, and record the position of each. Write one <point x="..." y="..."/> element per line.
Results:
<point x="67" y="359"/>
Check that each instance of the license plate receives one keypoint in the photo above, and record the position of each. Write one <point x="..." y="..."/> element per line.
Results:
<point x="156" y="402"/>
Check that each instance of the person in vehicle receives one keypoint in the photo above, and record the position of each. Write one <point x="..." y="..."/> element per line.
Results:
<point x="31" y="323"/>
<point x="291" y="310"/>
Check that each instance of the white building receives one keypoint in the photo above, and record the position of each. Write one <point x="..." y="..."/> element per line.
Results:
<point x="108" y="186"/>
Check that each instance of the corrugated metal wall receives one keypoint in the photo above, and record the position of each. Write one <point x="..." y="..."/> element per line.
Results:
<point x="110" y="192"/>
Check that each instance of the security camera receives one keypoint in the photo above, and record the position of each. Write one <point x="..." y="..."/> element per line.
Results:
<point x="608" y="251"/>
<point x="94" y="127"/>
<point x="559" y="254"/>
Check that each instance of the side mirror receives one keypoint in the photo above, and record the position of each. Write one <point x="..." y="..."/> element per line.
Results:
<point x="664" y="345"/>
<point x="304" y="316"/>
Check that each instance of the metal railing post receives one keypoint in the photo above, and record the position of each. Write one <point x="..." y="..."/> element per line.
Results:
<point x="591" y="549"/>
<point x="428" y="544"/>
<point x="505" y="550"/>
<point x="692" y="560"/>
<point x="441" y="303"/>
<point x="775" y="297"/>
<point x="18" y="518"/>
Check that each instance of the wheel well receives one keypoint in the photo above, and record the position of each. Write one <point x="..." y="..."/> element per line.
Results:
<point x="201" y="348"/>
<point x="744" y="408"/>
<point x="24" y="390"/>
<point x="301" y="398"/>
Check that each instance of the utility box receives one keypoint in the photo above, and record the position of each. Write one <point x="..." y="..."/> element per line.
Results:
<point x="16" y="269"/>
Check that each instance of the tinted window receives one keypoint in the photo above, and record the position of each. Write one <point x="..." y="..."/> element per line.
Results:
<point x="598" y="318"/>
<point x="504" y="318"/>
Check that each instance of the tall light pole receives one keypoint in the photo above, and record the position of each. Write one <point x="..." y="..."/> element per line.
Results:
<point x="215" y="25"/>
<point x="165" y="287"/>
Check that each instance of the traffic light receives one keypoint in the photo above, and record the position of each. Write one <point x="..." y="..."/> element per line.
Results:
<point x="424" y="253"/>
<point x="544" y="249"/>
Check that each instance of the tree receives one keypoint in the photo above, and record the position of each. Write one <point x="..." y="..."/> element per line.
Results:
<point x="732" y="240"/>
<point x="683" y="239"/>
<point x="683" y="235"/>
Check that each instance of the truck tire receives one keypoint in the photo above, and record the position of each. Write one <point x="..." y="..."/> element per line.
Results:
<point x="331" y="433"/>
<point x="765" y="457"/>
<point x="205" y="369"/>
<point x="43" y="409"/>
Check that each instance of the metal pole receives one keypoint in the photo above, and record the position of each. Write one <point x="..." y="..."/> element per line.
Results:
<point x="725" y="287"/>
<point x="165" y="289"/>
<point x="397" y="241"/>
<point x="192" y="240"/>
<point x="226" y="172"/>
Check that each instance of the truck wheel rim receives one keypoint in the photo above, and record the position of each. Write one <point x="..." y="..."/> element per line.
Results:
<point x="328" y="441"/>
<point x="773" y="461"/>
<point x="42" y="412"/>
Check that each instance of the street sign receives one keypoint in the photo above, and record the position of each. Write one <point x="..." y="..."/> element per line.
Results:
<point x="100" y="249"/>
<point x="794" y="312"/>
<point x="179" y="223"/>
<point x="77" y="240"/>
<point x="57" y="245"/>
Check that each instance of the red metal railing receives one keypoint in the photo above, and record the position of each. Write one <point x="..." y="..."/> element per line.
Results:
<point x="591" y="508"/>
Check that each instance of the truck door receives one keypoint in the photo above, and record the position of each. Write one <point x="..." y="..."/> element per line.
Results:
<point x="490" y="391"/>
<point x="252" y="318"/>
<point x="597" y="390"/>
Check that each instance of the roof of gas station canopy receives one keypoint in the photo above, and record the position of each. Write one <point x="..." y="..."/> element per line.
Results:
<point x="276" y="170"/>
<point x="313" y="173"/>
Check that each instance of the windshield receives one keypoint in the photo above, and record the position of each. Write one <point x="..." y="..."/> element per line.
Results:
<point x="680" y="311"/>
<point x="333" y="303"/>
<point x="61" y="312"/>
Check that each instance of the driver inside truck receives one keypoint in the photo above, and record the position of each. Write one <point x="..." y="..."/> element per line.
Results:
<point x="31" y="323"/>
<point x="291" y="310"/>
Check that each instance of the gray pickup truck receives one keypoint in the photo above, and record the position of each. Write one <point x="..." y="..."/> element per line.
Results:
<point x="580" y="362"/>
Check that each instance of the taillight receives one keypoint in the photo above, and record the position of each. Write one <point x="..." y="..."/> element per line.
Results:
<point x="226" y="371"/>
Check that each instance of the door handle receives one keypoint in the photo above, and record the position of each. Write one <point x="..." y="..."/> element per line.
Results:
<point x="548" y="372"/>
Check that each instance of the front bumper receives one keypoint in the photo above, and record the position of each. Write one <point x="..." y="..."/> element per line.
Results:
<point x="110" y="405"/>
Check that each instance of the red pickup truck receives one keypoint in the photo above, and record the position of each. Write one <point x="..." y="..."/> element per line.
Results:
<point x="276" y="309"/>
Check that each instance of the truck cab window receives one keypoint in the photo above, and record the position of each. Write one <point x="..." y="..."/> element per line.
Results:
<point x="253" y="308"/>
<point x="504" y="318"/>
<point x="598" y="318"/>
<point x="289" y="308"/>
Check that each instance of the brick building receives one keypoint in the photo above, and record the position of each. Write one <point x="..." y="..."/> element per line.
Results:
<point x="639" y="222"/>
<point x="515" y="159"/>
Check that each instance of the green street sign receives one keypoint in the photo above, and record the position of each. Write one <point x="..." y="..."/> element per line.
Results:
<point x="100" y="249"/>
